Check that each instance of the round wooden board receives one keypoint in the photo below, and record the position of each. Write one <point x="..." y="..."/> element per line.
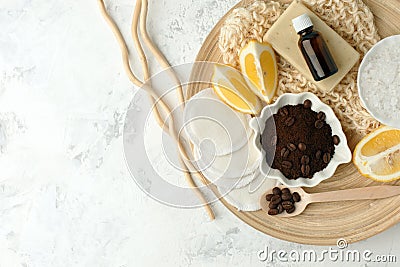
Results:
<point x="324" y="223"/>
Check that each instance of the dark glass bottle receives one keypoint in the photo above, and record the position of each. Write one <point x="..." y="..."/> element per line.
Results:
<point x="314" y="49"/>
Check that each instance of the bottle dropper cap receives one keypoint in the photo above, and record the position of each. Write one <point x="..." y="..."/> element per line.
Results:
<point x="301" y="23"/>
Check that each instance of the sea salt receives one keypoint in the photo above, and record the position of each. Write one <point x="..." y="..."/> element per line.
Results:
<point x="380" y="81"/>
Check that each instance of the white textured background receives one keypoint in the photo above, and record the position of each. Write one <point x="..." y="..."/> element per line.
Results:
<point x="66" y="198"/>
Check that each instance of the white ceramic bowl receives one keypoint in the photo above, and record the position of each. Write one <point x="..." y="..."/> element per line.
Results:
<point x="342" y="151"/>
<point x="383" y="44"/>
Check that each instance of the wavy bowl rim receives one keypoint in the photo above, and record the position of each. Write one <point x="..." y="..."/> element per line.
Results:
<point x="257" y="123"/>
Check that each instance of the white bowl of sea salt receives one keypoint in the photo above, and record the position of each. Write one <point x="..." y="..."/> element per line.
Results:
<point x="379" y="81"/>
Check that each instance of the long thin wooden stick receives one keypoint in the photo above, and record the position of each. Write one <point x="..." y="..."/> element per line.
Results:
<point x="148" y="89"/>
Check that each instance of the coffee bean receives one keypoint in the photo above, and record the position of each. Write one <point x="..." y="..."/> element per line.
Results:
<point x="319" y="124"/>
<point x="289" y="121"/>
<point x="286" y="197"/>
<point x="302" y="146"/>
<point x="283" y="112"/>
<point x="280" y="208"/>
<point x="287" y="164"/>
<point x="276" y="200"/>
<point x="285" y="152"/>
<point x="321" y="116"/>
<point x="305" y="159"/>
<point x="272" y="206"/>
<point x="273" y="212"/>
<point x="276" y="191"/>
<point x="291" y="147"/>
<point x="296" y="197"/>
<point x="274" y="140"/>
<point x="327" y="157"/>
<point x="305" y="169"/>
<point x="336" y="140"/>
<point x="307" y="103"/>
<point x="285" y="191"/>
<point x="287" y="205"/>
<point x="268" y="197"/>
<point x="318" y="154"/>
<point x="291" y="210"/>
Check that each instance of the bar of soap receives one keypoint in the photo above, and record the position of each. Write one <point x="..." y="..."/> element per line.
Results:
<point x="284" y="40"/>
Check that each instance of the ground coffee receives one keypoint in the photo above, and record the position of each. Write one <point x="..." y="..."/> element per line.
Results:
<point x="298" y="141"/>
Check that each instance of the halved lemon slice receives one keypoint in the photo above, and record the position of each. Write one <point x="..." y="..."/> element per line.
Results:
<point x="258" y="65"/>
<point x="377" y="156"/>
<point x="230" y="85"/>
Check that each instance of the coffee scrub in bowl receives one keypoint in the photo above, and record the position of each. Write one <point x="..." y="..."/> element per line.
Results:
<point x="300" y="139"/>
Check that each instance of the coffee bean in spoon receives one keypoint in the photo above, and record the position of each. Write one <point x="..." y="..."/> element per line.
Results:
<point x="291" y="210"/>
<point x="273" y="212"/>
<point x="296" y="197"/>
<point x="285" y="191"/>
<point x="280" y="208"/>
<point x="287" y="205"/>
<point x="286" y="196"/>
<point x="268" y="197"/>
<point x="276" y="200"/>
<point x="276" y="191"/>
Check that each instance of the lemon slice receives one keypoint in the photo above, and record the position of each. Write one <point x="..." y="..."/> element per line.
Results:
<point x="258" y="65"/>
<point x="231" y="87"/>
<point x="377" y="156"/>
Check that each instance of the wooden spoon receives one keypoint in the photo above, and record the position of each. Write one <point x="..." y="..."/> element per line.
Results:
<point x="373" y="192"/>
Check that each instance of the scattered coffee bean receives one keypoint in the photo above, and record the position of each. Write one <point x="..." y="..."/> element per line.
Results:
<point x="285" y="152"/>
<point x="287" y="205"/>
<point x="307" y="103"/>
<point x="336" y="140"/>
<point x="287" y="164"/>
<point x="289" y="121"/>
<point x="319" y="124"/>
<point x="305" y="169"/>
<point x="305" y="159"/>
<point x="276" y="200"/>
<point x="268" y="197"/>
<point x="280" y="208"/>
<point x="276" y="191"/>
<point x="321" y="116"/>
<point x="291" y="147"/>
<point x="291" y="210"/>
<point x="296" y="197"/>
<point x="302" y="146"/>
<point x="286" y="197"/>
<point x="285" y="191"/>
<point x="318" y="155"/>
<point x="273" y="212"/>
<point x="274" y="140"/>
<point x="327" y="157"/>
<point x="283" y="112"/>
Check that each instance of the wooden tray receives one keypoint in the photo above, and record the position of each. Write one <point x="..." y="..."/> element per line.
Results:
<point x="323" y="224"/>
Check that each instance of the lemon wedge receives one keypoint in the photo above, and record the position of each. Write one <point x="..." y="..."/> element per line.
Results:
<point x="231" y="87"/>
<point x="377" y="155"/>
<point x="258" y="65"/>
